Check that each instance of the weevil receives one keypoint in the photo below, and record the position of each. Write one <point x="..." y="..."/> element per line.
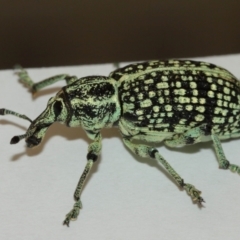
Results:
<point x="177" y="102"/>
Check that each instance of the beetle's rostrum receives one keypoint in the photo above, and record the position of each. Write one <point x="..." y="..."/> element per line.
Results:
<point x="177" y="102"/>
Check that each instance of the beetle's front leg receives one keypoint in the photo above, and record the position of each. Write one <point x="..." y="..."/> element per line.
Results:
<point x="148" y="151"/>
<point x="94" y="150"/>
<point x="34" y="87"/>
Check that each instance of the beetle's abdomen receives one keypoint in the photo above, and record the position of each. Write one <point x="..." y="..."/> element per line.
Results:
<point x="179" y="95"/>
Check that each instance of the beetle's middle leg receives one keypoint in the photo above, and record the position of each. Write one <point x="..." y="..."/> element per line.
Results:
<point x="148" y="151"/>
<point x="34" y="87"/>
<point x="93" y="153"/>
<point x="197" y="134"/>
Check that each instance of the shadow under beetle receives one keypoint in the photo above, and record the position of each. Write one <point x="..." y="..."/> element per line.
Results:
<point x="179" y="102"/>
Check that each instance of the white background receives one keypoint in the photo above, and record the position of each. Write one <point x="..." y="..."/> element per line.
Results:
<point x="125" y="197"/>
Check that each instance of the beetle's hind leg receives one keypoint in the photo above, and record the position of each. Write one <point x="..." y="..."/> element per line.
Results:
<point x="150" y="152"/>
<point x="222" y="161"/>
<point x="191" y="136"/>
<point x="34" y="87"/>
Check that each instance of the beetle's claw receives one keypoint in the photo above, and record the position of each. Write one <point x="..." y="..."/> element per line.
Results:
<point x="194" y="193"/>
<point x="73" y="214"/>
<point x="66" y="222"/>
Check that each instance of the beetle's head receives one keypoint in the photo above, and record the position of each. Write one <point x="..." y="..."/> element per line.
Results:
<point x="56" y="111"/>
<point x="91" y="103"/>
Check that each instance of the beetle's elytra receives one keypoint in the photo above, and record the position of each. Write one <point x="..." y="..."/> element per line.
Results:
<point x="179" y="102"/>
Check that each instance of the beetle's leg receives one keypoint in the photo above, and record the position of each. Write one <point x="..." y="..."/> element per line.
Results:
<point x="34" y="87"/>
<point x="148" y="151"/>
<point x="195" y="135"/>
<point x="93" y="153"/>
<point x="223" y="162"/>
<point x="191" y="136"/>
<point x="116" y="65"/>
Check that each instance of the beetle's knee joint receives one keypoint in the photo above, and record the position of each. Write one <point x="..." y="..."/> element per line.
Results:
<point x="92" y="156"/>
<point x="152" y="152"/>
<point x="225" y="164"/>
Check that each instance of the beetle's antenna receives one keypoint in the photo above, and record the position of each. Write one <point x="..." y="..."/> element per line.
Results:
<point x="4" y="111"/>
<point x="16" y="139"/>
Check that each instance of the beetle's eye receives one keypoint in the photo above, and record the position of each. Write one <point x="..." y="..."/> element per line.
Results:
<point x="57" y="108"/>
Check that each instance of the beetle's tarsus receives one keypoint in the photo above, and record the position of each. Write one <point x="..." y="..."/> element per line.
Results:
<point x="234" y="168"/>
<point x="194" y="193"/>
<point x="66" y="222"/>
<point x="73" y="214"/>
<point x="17" y="67"/>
